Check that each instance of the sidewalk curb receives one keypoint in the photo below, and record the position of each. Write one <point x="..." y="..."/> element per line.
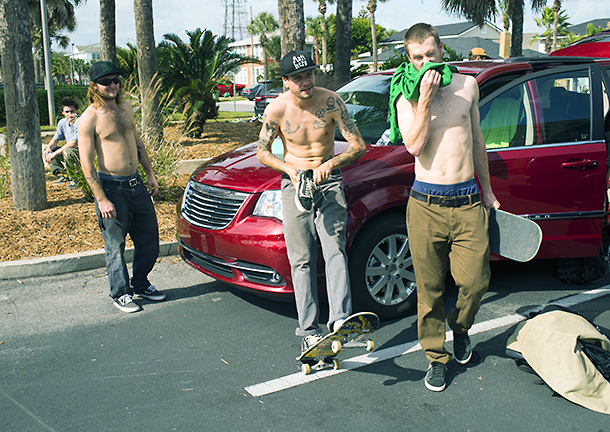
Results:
<point x="80" y="261"/>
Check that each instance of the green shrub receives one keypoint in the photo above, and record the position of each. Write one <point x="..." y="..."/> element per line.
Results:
<point x="77" y="92"/>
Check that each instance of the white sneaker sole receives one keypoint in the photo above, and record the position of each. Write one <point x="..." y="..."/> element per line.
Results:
<point x="129" y="308"/>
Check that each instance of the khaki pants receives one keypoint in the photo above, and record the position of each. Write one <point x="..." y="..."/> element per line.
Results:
<point x="435" y="233"/>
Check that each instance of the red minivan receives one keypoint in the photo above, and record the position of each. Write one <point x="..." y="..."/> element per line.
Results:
<point x="544" y="125"/>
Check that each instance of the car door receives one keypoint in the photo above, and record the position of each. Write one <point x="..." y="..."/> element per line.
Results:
<point x="547" y="156"/>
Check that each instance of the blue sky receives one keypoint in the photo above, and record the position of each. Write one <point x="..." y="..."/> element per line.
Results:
<point x="176" y="16"/>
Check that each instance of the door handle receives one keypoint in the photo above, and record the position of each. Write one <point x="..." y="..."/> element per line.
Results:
<point x="583" y="164"/>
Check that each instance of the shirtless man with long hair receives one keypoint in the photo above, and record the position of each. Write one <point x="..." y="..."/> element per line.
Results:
<point x="122" y="202"/>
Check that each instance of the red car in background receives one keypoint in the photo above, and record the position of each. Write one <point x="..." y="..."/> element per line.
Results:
<point x="597" y="45"/>
<point x="543" y="122"/>
<point x="226" y="88"/>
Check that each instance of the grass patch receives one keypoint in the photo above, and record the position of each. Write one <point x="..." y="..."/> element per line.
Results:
<point x="223" y="115"/>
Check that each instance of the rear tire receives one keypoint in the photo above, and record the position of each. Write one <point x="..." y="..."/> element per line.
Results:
<point x="381" y="270"/>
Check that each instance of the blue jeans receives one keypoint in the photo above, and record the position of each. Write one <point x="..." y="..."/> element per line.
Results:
<point x="135" y="216"/>
<point x="326" y="222"/>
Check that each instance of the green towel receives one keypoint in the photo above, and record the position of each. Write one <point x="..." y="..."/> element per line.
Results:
<point x="406" y="82"/>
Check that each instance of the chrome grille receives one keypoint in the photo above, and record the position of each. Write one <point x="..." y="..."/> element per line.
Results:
<point x="210" y="207"/>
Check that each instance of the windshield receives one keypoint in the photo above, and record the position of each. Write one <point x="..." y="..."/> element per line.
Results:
<point x="367" y="100"/>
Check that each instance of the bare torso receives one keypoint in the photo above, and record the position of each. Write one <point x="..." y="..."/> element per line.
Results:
<point x="114" y="139"/>
<point x="308" y="135"/>
<point x="447" y="157"/>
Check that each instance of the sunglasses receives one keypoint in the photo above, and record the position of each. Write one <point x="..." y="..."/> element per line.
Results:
<point x="106" y="82"/>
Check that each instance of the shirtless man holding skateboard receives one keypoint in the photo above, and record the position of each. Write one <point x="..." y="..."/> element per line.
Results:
<point x="305" y="118"/>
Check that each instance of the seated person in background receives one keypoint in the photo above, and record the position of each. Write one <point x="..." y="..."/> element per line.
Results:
<point x="67" y="130"/>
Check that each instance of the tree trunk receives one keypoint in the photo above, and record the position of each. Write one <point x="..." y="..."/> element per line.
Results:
<point x="152" y="128"/>
<point x="556" y="10"/>
<point x="263" y="41"/>
<point x="343" y="43"/>
<point x="22" y="120"/>
<point x="292" y="25"/>
<point x="107" y="30"/>
<point x="322" y="10"/>
<point x="372" y="7"/>
<point x="516" y="42"/>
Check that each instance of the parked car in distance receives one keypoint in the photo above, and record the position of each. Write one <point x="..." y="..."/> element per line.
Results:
<point x="597" y="45"/>
<point x="226" y="88"/>
<point x="264" y="98"/>
<point x="543" y="122"/>
<point x="252" y="91"/>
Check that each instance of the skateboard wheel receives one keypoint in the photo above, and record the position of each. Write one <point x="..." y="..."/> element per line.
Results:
<point x="306" y="369"/>
<point x="336" y="364"/>
<point x="370" y="345"/>
<point x="336" y="346"/>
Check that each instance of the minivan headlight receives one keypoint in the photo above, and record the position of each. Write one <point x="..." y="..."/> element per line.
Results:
<point x="269" y="204"/>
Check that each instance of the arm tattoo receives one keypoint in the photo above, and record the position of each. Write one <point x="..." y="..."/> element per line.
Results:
<point x="140" y="152"/>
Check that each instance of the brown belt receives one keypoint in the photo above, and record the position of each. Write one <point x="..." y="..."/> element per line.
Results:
<point x="446" y="201"/>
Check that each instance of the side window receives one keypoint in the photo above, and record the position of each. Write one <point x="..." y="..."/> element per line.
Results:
<point x="566" y="107"/>
<point x="507" y="120"/>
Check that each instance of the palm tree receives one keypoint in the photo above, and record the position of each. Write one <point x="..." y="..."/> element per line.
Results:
<point x="556" y="22"/>
<point x="60" y="17"/>
<point x="547" y="21"/>
<point x="107" y="30"/>
<point x="313" y="28"/>
<point x="190" y="70"/>
<point x="263" y="24"/>
<point x="292" y="24"/>
<point x="152" y="127"/>
<point x="372" y="8"/>
<point x="22" y="119"/>
<point x="322" y="9"/>
<point x="343" y="41"/>
<point x="478" y="11"/>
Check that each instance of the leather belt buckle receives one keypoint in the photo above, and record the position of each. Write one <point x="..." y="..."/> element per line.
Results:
<point x="133" y="182"/>
<point x="448" y="202"/>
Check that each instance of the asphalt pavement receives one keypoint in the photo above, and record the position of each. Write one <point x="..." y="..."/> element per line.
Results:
<point x="213" y="358"/>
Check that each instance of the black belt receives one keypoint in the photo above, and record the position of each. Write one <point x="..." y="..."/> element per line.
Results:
<point x="446" y="201"/>
<point x="123" y="183"/>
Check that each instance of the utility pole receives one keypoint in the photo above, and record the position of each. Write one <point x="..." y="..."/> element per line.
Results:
<point x="47" y="61"/>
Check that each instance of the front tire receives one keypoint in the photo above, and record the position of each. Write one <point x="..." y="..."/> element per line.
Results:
<point x="381" y="269"/>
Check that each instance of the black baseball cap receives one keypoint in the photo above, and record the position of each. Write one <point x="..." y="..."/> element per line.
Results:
<point x="103" y="68"/>
<point x="296" y="61"/>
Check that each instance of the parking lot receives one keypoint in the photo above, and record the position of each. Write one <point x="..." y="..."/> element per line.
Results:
<point x="213" y="358"/>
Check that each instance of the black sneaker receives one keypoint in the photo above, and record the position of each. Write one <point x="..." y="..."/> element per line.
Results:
<point x="435" y="377"/>
<point x="303" y="198"/>
<point x="152" y="293"/>
<point x="309" y="341"/>
<point x="462" y="350"/>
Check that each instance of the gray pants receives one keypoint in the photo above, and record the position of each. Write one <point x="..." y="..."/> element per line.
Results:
<point x="326" y="222"/>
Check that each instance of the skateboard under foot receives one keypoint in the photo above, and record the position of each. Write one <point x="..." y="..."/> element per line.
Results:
<point x="322" y="355"/>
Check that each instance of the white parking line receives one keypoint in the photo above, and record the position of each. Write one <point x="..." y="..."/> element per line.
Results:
<point x="296" y="379"/>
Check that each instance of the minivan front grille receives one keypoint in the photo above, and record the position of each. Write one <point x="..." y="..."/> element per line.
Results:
<point x="210" y="207"/>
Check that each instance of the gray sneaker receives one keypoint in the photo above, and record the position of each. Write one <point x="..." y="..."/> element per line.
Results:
<point x="126" y="304"/>
<point x="303" y="198"/>
<point x="435" y="377"/>
<point x="309" y="341"/>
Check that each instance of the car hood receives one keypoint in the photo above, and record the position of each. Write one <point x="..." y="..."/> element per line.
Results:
<point x="240" y="169"/>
